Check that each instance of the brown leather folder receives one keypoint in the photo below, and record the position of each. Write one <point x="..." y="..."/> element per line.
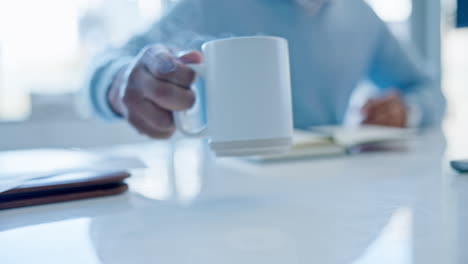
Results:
<point x="66" y="187"/>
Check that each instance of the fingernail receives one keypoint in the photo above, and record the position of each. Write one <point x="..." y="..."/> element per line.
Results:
<point x="183" y="53"/>
<point x="188" y="57"/>
<point x="165" y="63"/>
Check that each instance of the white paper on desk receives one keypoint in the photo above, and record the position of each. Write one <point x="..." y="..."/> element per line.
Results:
<point x="327" y="141"/>
<point x="18" y="167"/>
<point x="306" y="144"/>
<point x="366" y="134"/>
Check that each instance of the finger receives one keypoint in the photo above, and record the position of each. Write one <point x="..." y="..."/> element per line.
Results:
<point x="170" y="96"/>
<point x="369" y="111"/>
<point x="383" y="118"/>
<point x="369" y="120"/>
<point x="193" y="56"/>
<point x="378" y="117"/>
<point x="377" y="120"/>
<point x="370" y="106"/>
<point x="157" y="118"/>
<point x="399" y="115"/>
<point x="163" y="65"/>
<point x="370" y="103"/>
<point x="379" y="105"/>
<point x="167" y="95"/>
<point x="388" y="119"/>
<point x="395" y="110"/>
<point x="397" y="104"/>
<point x="144" y="128"/>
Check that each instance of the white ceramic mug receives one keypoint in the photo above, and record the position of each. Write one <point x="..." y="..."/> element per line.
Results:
<point x="247" y="96"/>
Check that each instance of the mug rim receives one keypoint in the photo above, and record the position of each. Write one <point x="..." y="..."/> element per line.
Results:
<point x="211" y="42"/>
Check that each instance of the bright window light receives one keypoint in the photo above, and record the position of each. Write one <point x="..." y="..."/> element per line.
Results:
<point x="392" y="10"/>
<point x="46" y="45"/>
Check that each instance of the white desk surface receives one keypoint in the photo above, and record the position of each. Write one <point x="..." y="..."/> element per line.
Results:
<point x="403" y="206"/>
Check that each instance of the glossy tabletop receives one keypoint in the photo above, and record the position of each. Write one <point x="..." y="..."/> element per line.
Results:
<point x="398" y="206"/>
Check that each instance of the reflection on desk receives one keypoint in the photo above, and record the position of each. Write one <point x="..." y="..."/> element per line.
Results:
<point x="393" y="207"/>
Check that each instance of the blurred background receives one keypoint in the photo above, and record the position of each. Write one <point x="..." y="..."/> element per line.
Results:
<point x="45" y="47"/>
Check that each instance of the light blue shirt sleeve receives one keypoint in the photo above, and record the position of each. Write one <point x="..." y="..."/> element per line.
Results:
<point x="394" y="68"/>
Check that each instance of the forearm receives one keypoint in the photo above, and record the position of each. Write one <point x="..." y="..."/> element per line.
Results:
<point x="99" y="84"/>
<point x="403" y="69"/>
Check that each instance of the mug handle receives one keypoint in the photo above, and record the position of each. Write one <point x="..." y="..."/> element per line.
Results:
<point x="180" y="116"/>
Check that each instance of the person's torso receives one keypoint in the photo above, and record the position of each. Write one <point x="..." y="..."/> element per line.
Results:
<point x="329" y="52"/>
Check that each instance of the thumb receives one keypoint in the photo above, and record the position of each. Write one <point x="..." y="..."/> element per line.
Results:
<point x="369" y="106"/>
<point x="194" y="57"/>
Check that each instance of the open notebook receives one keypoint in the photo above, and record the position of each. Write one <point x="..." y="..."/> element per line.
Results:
<point x="335" y="140"/>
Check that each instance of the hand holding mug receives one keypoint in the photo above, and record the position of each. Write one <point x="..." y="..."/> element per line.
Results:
<point x="147" y="91"/>
<point x="247" y="96"/>
<point x="247" y="86"/>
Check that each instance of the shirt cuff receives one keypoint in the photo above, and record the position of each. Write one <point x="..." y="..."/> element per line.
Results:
<point x="414" y="113"/>
<point x="102" y="105"/>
